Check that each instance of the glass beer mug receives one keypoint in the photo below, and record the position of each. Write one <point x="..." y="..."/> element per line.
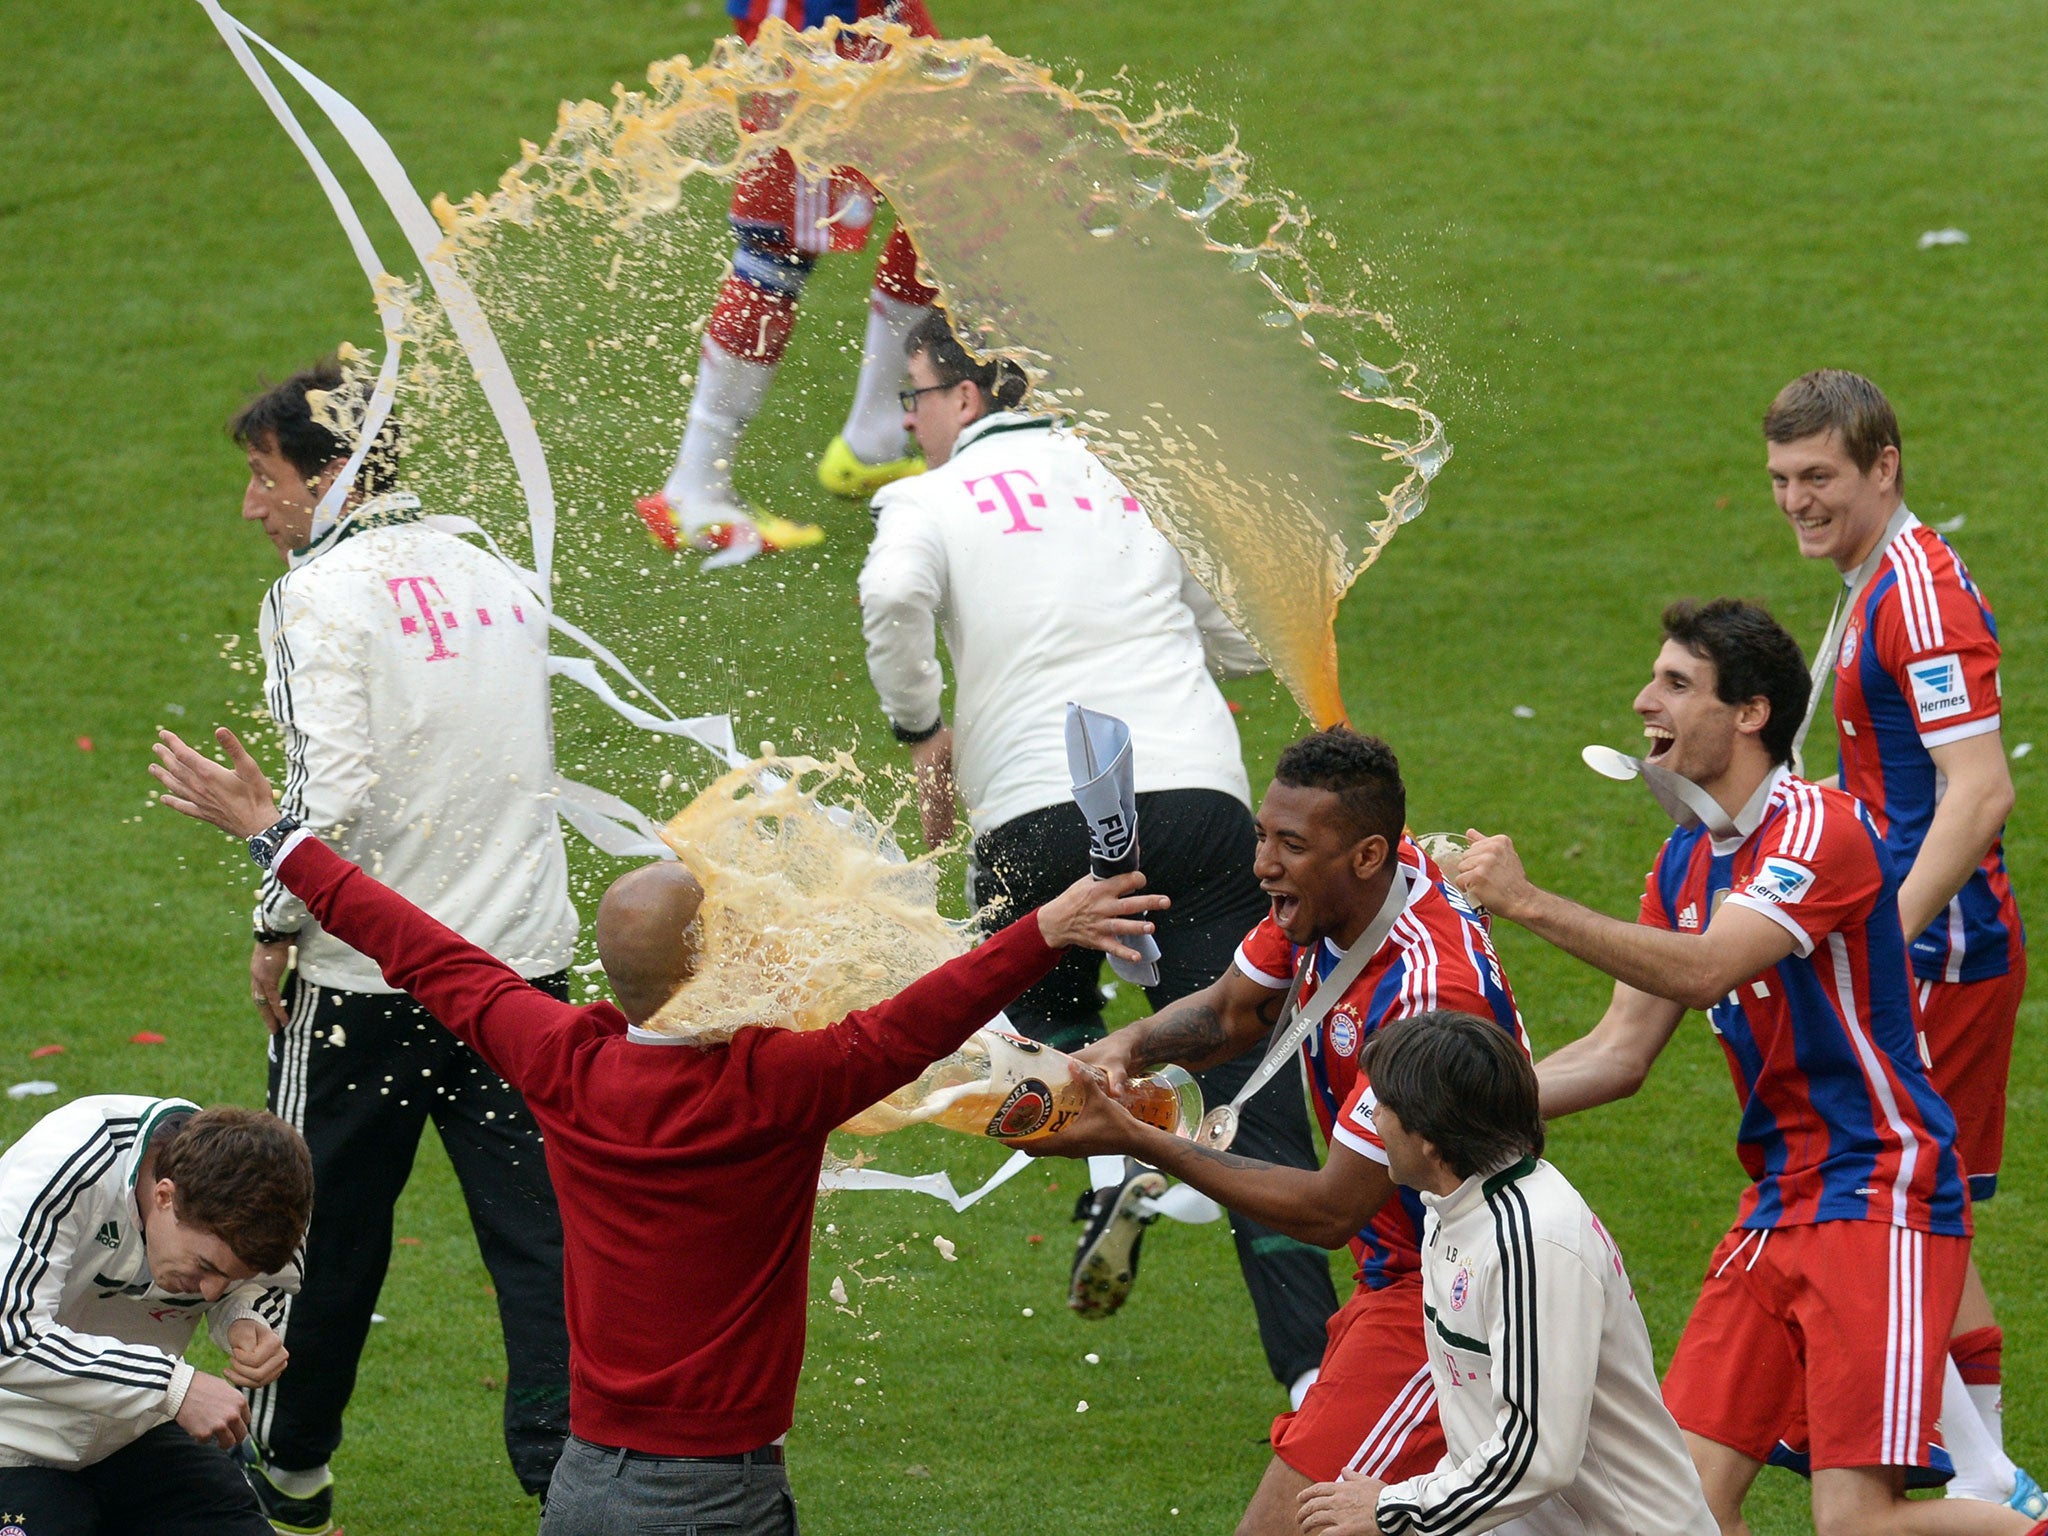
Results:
<point x="1000" y="1084"/>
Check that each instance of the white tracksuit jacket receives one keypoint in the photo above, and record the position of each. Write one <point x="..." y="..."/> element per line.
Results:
<point x="91" y="1351"/>
<point x="1553" y="1421"/>
<point x="1052" y="585"/>
<point x="407" y="673"/>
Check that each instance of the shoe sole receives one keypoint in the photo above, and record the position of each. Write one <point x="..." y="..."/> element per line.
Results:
<point x="1105" y="1269"/>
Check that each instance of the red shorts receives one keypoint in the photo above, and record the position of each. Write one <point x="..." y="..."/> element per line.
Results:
<point x="1966" y="1030"/>
<point x="1833" y="1336"/>
<point x="1373" y="1408"/>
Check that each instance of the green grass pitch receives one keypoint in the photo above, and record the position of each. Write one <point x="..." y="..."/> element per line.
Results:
<point x="1616" y="229"/>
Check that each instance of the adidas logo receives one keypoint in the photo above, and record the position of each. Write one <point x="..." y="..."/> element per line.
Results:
<point x="1689" y="915"/>
<point x="109" y="1234"/>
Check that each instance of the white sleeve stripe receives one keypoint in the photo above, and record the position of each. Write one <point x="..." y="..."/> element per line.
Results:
<point x="1263" y="978"/>
<point x="1963" y="732"/>
<point x="1359" y="1144"/>
<point x="1777" y="914"/>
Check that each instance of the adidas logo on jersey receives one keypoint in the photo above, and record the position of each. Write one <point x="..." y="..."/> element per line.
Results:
<point x="1938" y="689"/>
<point x="109" y="1234"/>
<point x="1689" y="916"/>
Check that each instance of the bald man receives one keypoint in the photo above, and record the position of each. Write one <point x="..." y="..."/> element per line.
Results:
<point x="686" y="1174"/>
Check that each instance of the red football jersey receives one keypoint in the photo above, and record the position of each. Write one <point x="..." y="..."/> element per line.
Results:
<point x="1918" y="668"/>
<point x="1437" y="955"/>
<point x="1839" y="1121"/>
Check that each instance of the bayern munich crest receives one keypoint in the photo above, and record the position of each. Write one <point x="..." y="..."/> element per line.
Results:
<point x="1461" y="1292"/>
<point x="1343" y="1034"/>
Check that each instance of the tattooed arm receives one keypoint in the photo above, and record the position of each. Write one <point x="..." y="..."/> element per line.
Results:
<point x="1230" y="1016"/>
<point x="1325" y="1206"/>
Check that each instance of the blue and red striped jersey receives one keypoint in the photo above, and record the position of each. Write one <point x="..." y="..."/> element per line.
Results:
<point x="1918" y="668"/>
<point x="1839" y="1121"/>
<point x="1437" y="955"/>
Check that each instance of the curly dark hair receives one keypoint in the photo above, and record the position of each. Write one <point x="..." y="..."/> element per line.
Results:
<point x="1753" y="657"/>
<point x="1000" y="380"/>
<point x="1360" y="770"/>
<point x="281" y="420"/>
<point x="243" y="1175"/>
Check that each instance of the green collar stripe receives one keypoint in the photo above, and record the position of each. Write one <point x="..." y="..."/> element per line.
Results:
<point x="1508" y="1175"/>
<point x="157" y="1112"/>
<point x="1458" y="1340"/>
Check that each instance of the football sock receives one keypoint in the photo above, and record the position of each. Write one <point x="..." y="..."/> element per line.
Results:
<point x="299" y="1485"/>
<point x="874" y="426"/>
<point x="729" y="392"/>
<point x="1977" y="1355"/>
<point x="1301" y="1385"/>
<point x="1983" y="1471"/>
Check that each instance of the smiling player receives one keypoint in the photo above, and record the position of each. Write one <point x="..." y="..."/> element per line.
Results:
<point x="1914" y="653"/>
<point x="1330" y="852"/>
<point x="1825" y="1313"/>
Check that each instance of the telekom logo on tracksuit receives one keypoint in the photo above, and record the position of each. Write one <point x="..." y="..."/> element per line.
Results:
<point x="423" y="594"/>
<point x="1015" y="506"/>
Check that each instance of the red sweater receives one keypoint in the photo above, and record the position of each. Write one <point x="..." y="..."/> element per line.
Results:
<point x="686" y="1174"/>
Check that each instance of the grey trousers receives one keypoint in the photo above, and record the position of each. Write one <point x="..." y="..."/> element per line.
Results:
<point x="601" y="1491"/>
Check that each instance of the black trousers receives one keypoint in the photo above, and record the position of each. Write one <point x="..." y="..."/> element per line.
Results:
<point x="164" y="1484"/>
<point x="360" y="1074"/>
<point x="1196" y="846"/>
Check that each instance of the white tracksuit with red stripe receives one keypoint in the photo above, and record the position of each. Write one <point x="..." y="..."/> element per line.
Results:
<point x="1551" y="1411"/>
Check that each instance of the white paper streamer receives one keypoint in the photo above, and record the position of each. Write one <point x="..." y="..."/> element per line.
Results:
<point x="494" y="377"/>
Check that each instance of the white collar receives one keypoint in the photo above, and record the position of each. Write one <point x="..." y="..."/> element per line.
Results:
<point x="1751" y="816"/>
<point x="998" y="421"/>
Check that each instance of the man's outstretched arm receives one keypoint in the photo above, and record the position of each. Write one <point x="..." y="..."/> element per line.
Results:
<point x="471" y="992"/>
<point x="1695" y="970"/>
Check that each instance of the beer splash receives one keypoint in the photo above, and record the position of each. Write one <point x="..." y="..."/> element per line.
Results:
<point x="809" y="910"/>
<point x="1179" y="314"/>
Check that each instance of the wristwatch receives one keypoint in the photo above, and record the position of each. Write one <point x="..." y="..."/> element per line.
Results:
<point x="911" y="738"/>
<point x="264" y="845"/>
<point x="265" y="936"/>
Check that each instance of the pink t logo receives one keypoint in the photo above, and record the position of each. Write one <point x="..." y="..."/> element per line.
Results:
<point x="435" y="621"/>
<point x="1019" y="523"/>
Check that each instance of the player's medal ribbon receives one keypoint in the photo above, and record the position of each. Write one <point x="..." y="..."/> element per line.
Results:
<point x="1219" y="1126"/>
<point x="1838" y="621"/>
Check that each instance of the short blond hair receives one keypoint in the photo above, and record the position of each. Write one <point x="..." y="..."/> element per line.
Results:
<point x="1838" y="401"/>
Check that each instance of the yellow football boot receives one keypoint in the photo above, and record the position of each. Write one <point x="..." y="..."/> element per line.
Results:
<point x="841" y="473"/>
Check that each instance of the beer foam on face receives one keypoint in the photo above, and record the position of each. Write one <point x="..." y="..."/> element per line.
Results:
<point x="810" y="911"/>
<point x="1207" y="334"/>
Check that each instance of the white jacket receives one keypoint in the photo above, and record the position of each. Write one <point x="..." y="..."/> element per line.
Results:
<point x="1552" y="1416"/>
<point x="1052" y="585"/>
<point x="91" y="1351"/>
<point x="407" y="672"/>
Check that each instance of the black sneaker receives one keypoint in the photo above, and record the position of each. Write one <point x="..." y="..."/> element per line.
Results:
<point x="1106" y="1259"/>
<point x="309" y="1516"/>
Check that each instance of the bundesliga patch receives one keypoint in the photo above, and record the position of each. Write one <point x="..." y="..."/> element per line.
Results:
<point x="1938" y="690"/>
<point x="1781" y="881"/>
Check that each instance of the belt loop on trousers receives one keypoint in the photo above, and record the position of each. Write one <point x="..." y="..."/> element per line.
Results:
<point x="619" y="1460"/>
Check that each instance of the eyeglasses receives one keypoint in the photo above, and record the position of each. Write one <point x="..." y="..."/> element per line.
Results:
<point x="907" y="398"/>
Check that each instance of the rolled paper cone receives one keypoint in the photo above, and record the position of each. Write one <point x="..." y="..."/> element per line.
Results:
<point x="1105" y="788"/>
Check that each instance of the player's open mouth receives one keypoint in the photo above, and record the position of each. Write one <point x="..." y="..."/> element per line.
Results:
<point x="1661" y="741"/>
<point x="1285" y="906"/>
